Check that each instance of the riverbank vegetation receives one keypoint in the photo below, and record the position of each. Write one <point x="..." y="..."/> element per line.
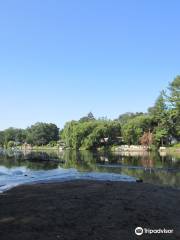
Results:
<point x="159" y="126"/>
<point x="38" y="134"/>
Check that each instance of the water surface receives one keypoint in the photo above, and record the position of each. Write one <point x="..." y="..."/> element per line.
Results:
<point x="28" y="167"/>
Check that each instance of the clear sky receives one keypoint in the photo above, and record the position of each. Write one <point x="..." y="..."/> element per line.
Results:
<point x="60" y="59"/>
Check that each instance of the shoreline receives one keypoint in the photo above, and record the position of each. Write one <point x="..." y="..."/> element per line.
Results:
<point x="6" y="188"/>
<point x="84" y="209"/>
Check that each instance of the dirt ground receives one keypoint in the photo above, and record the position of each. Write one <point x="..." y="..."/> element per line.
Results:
<point x="88" y="210"/>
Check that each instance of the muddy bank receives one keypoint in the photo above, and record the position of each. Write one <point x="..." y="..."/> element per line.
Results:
<point x="80" y="210"/>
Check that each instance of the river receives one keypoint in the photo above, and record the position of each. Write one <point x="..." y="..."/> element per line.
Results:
<point x="30" y="167"/>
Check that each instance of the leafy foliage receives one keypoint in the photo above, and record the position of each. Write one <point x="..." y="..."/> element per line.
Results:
<point x="91" y="134"/>
<point x="160" y="126"/>
<point x="133" y="130"/>
<point x="42" y="133"/>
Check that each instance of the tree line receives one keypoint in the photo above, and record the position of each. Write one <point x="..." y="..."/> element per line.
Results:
<point x="160" y="125"/>
<point x="38" y="134"/>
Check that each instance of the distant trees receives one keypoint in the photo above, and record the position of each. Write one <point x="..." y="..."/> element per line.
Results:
<point x="159" y="113"/>
<point x="91" y="134"/>
<point x="159" y="126"/>
<point x="12" y="134"/>
<point x="166" y="114"/>
<point x="89" y="117"/>
<point x="162" y="120"/>
<point x="124" y="118"/>
<point x="174" y="96"/>
<point x="37" y="134"/>
<point x="105" y="133"/>
<point x="174" y="100"/>
<point x="42" y="133"/>
<point x="133" y="129"/>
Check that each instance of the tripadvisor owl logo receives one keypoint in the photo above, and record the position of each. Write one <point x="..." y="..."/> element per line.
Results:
<point x="139" y="231"/>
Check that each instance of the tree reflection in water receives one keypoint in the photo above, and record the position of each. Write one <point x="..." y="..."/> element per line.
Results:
<point x="149" y="166"/>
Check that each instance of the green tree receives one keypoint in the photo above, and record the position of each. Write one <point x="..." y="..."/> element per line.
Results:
<point x="159" y="110"/>
<point x="174" y="97"/>
<point x="160" y="135"/>
<point x="42" y="133"/>
<point x="133" y="130"/>
<point x="162" y="126"/>
<point x="14" y="134"/>
<point x="124" y="118"/>
<point x="174" y="100"/>
<point x="90" y="134"/>
<point x="89" y="117"/>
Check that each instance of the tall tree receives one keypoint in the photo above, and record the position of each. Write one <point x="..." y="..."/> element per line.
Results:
<point x="160" y="116"/>
<point x="42" y="133"/>
<point x="133" y="130"/>
<point x="89" y="117"/>
<point x="174" y="97"/>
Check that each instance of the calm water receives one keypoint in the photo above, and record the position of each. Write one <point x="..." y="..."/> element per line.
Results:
<point x="18" y="167"/>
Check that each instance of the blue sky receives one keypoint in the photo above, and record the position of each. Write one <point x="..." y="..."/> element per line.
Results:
<point x="60" y="59"/>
